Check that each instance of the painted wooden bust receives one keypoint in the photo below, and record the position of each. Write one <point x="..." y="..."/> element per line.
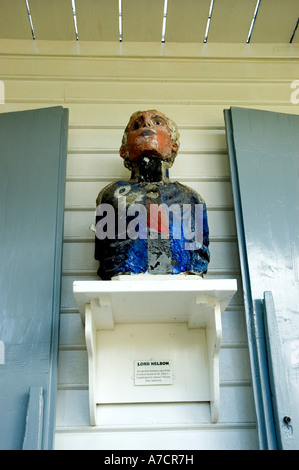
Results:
<point x="150" y="224"/>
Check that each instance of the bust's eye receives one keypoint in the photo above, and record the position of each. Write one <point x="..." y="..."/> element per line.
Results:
<point x="136" y="125"/>
<point x="158" y="121"/>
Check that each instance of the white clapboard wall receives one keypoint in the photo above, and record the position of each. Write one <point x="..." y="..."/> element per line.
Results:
<point x="102" y="84"/>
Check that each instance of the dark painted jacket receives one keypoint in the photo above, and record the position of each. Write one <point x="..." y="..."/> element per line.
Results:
<point x="133" y="239"/>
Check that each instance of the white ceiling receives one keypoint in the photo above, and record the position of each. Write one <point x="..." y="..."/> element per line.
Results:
<point x="186" y="21"/>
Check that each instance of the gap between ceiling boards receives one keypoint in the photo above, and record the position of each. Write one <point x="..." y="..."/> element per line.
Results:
<point x="164" y="21"/>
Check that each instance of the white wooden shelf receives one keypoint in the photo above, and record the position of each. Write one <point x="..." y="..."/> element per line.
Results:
<point x="132" y="319"/>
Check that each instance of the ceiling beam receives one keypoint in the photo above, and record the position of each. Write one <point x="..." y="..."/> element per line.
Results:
<point x="97" y="20"/>
<point x="275" y="21"/>
<point x="52" y="20"/>
<point x="142" y="20"/>
<point x="231" y="20"/>
<point x="14" y="21"/>
<point x="187" y="20"/>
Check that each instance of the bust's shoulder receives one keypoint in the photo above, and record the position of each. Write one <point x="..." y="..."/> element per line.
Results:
<point x="188" y="193"/>
<point x="113" y="190"/>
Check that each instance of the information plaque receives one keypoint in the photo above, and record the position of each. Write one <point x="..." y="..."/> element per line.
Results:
<point x="153" y="373"/>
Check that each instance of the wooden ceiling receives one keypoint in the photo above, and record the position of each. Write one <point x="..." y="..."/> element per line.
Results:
<point x="186" y="21"/>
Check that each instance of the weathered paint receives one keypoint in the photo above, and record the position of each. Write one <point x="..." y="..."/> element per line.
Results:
<point x="155" y="256"/>
<point x="149" y="146"/>
<point x="282" y="407"/>
<point x="149" y="133"/>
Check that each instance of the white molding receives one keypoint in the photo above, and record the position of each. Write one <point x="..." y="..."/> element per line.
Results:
<point x="143" y="300"/>
<point x="148" y="50"/>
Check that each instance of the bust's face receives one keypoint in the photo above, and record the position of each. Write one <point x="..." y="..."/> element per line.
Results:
<point x="148" y="134"/>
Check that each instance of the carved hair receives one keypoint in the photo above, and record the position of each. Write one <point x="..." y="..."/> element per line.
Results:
<point x="174" y="133"/>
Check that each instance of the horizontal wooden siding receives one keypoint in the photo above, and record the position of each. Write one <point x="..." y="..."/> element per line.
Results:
<point x="102" y="89"/>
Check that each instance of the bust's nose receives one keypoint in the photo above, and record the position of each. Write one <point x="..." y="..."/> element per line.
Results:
<point x="147" y="122"/>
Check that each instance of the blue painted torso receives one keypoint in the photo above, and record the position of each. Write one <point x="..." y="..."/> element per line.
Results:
<point x="165" y="254"/>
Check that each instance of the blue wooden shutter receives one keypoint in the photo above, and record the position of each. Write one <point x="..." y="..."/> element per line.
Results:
<point x="32" y="184"/>
<point x="264" y="159"/>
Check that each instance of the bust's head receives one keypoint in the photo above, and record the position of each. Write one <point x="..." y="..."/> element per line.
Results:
<point x="149" y="133"/>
